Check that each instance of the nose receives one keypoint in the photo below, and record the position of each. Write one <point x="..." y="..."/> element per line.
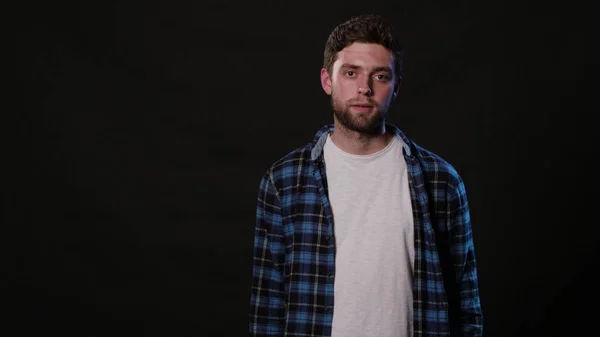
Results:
<point x="365" y="90"/>
<point x="364" y="86"/>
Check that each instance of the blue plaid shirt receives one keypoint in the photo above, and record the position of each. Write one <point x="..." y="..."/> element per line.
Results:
<point x="294" y="251"/>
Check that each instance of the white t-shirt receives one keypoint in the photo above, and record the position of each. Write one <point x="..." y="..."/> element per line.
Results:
<point x="374" y="237"/>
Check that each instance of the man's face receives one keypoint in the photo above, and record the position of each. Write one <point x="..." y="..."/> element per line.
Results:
<point x="362" y="86"/>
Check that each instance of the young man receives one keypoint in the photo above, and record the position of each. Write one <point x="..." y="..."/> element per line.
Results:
<point x="362" y="232"/>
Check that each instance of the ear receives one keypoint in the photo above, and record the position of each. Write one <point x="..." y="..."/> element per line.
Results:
<point x="397" y="87"/>
<point x="326" y="81"/>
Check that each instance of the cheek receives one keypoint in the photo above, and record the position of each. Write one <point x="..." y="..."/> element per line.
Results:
<point x="342" y="90"/>
<point x="385" y="92"/>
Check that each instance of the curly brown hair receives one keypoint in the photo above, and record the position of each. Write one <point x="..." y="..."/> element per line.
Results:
<point x="368" y="28"/>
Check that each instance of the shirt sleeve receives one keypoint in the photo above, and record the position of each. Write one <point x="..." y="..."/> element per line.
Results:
<point x="463" y="259"/>
<point x="267" y="312"/>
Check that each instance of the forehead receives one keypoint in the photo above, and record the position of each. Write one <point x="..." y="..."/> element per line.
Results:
<point x="365" y="55"/>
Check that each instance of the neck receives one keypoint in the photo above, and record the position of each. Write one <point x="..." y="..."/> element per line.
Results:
<point x="354" y="142"/>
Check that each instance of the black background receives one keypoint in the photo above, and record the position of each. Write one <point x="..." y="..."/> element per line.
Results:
<point x="145" y="128"/>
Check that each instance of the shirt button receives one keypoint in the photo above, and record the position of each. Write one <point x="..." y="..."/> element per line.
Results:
<point x="327" y="237"/>
<point x="327" y="309"/>
<point x="330" y="274"/>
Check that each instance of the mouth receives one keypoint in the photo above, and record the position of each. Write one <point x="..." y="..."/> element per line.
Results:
<point x="362" y="107"/>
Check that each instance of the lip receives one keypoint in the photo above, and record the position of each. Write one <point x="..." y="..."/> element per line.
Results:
<point x="362" y="107"/>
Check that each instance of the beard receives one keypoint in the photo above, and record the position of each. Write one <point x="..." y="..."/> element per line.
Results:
<point x="368" y="123"/>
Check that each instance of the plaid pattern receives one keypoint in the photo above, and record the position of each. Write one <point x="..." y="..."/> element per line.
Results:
<point x="294" y="254"/>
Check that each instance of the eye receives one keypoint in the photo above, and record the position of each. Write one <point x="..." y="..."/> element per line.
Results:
<point x="382" y="77"/>
<point x="350" y="73"/>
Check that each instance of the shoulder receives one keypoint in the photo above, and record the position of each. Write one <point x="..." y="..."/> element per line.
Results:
<point x="436" y="169"/>
<point x="290" y="165"/>
<point x="297" y="161"/>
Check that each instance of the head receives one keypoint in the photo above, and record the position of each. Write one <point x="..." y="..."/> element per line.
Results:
<point x="362" y="72"/>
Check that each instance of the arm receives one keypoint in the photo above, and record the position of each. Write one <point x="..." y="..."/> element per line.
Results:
<point x="266" y="299"/>
<point x="463" y="259"/>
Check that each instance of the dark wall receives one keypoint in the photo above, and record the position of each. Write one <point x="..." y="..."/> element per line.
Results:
<point x="147" y="126"/>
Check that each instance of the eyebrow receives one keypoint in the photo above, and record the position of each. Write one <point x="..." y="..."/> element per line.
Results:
<point x="377" y="69"/>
